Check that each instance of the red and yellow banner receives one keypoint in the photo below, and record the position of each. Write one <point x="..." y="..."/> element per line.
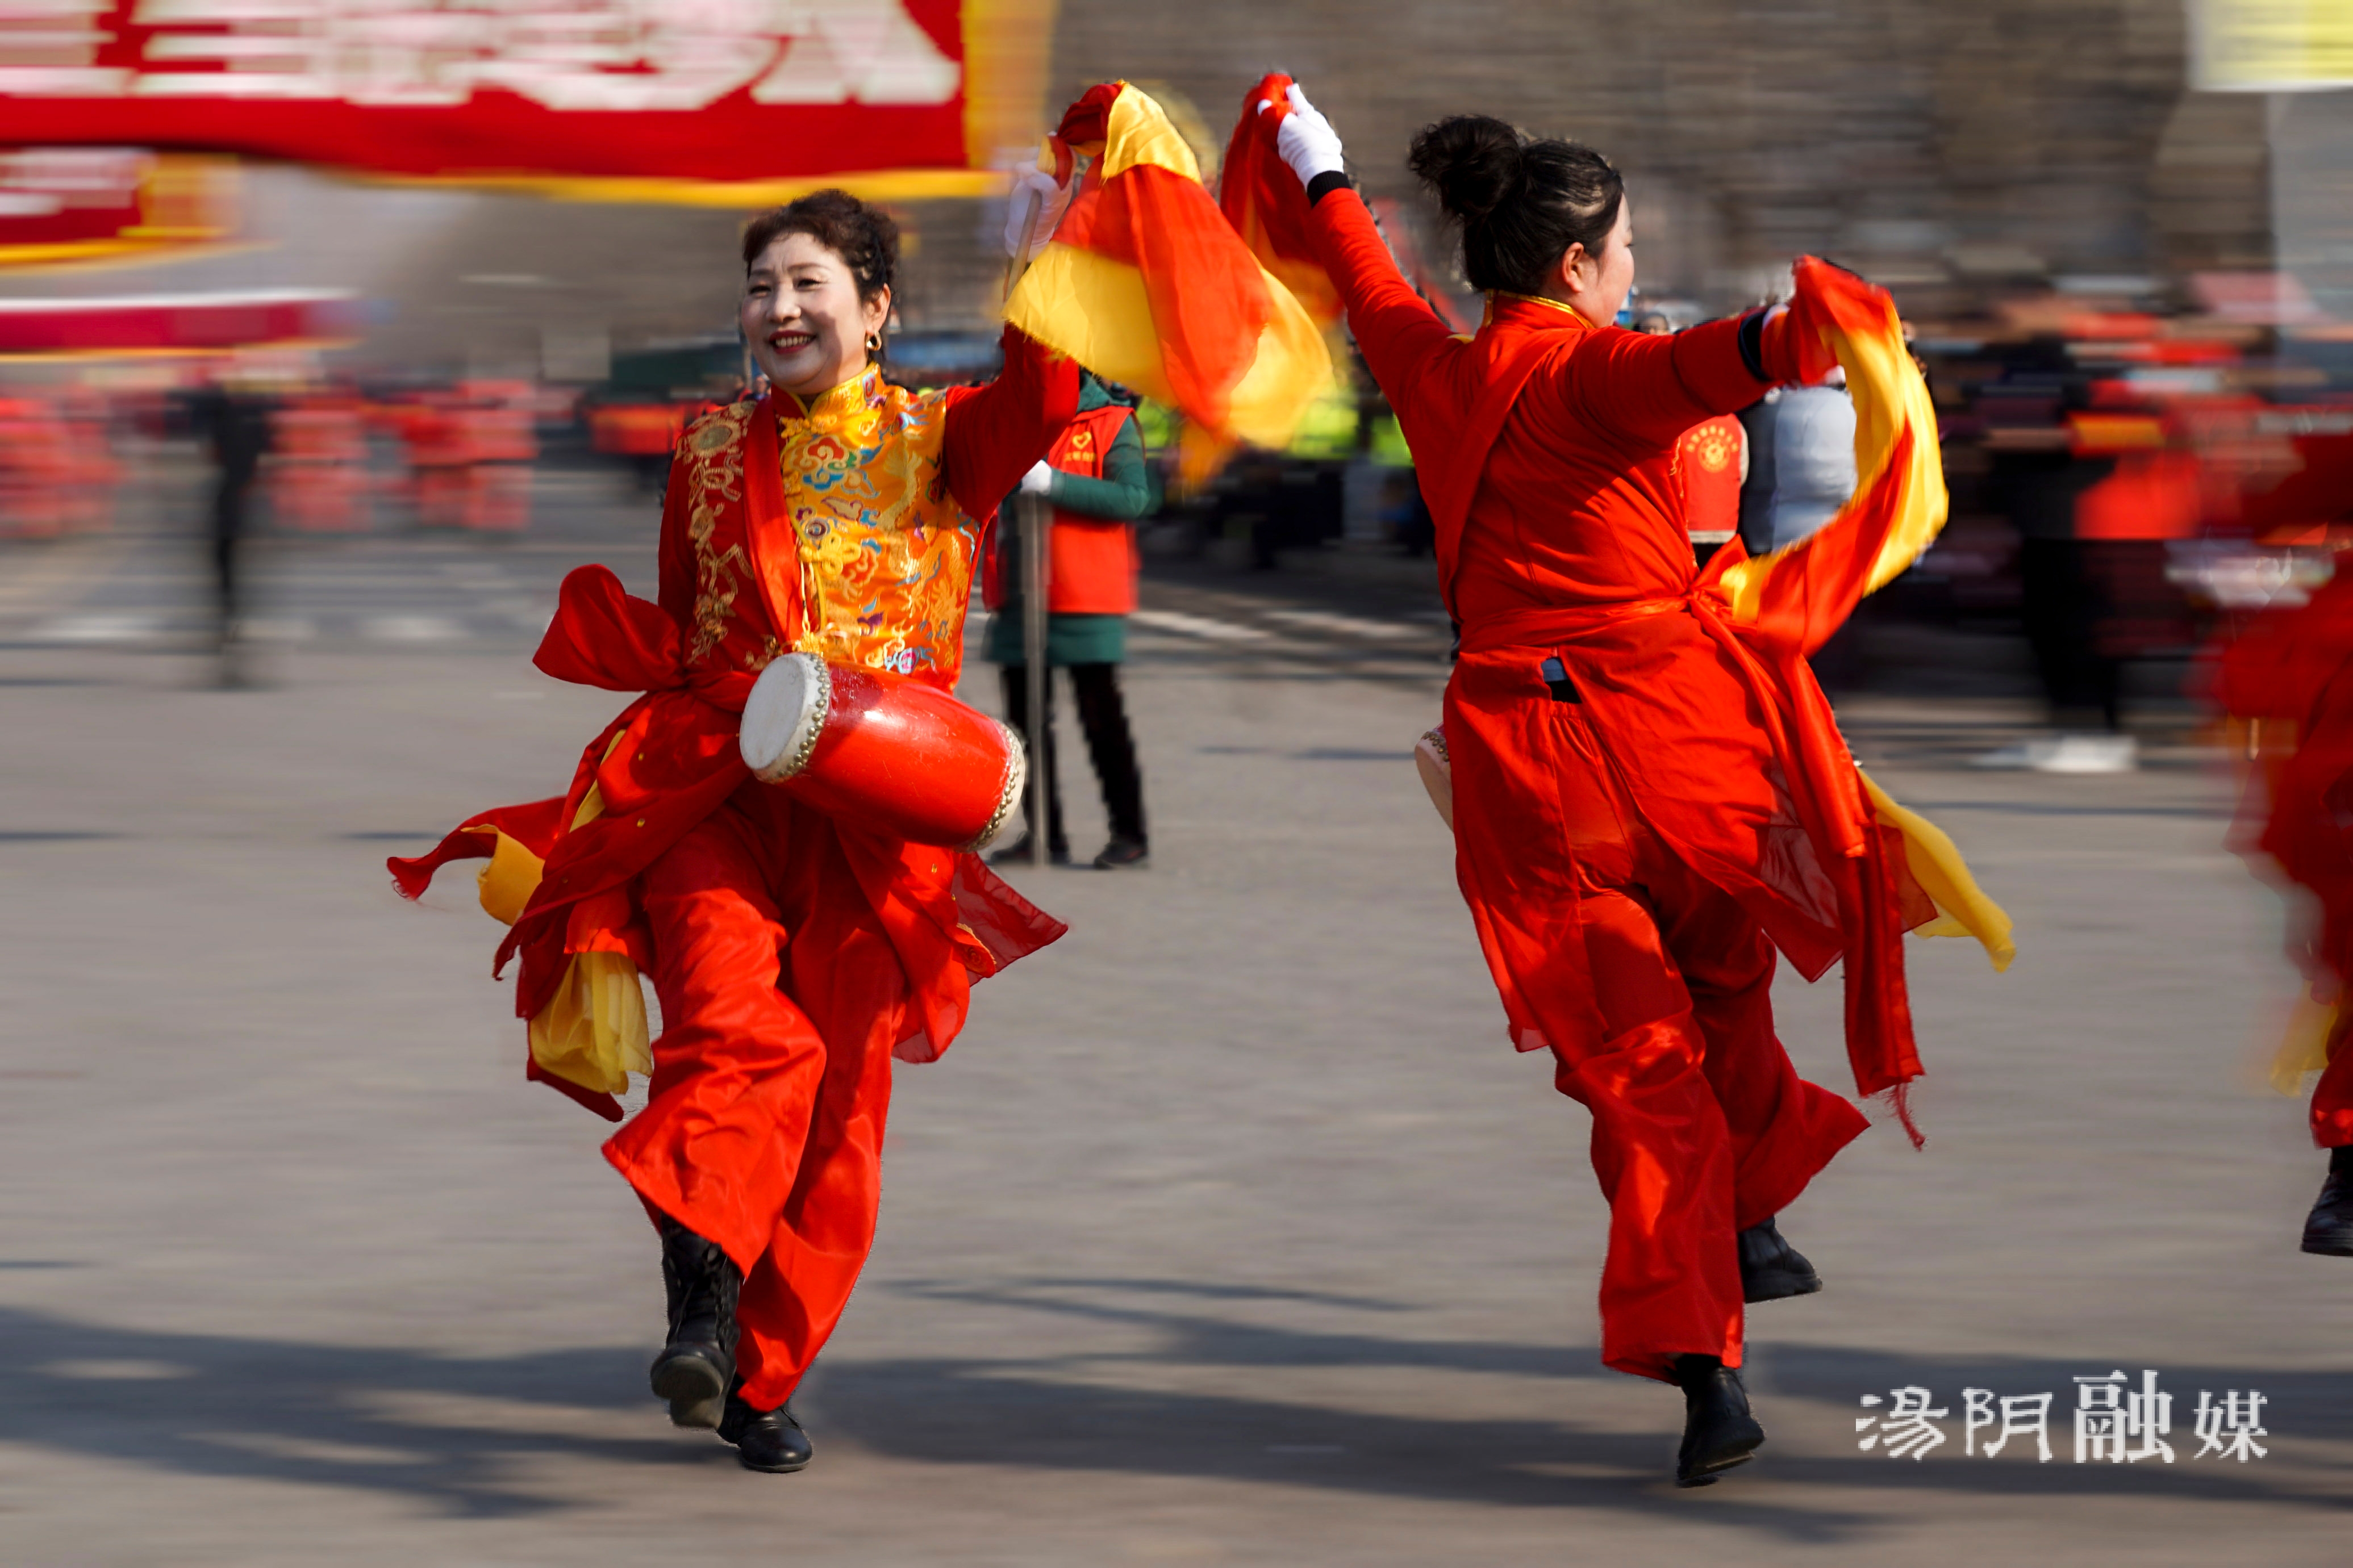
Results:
<point x="134" y="326"/>
<point x="644" y="98"/>
<point x="68" y="205"/>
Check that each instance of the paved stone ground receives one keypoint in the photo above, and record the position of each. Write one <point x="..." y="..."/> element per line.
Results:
<point x="1232" y="1232"/>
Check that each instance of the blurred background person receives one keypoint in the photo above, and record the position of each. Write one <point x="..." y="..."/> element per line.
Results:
<point x="1098" y="484"/>
<point x="2282" y="680"/>
<point x="37" y="468"/>
<point x="1711" y="465"/>
<point x="1803" y="471"/>
<point x="1809" y="464"/>
<point x="318" y="478"/>
<point x="2035" y="477"/>
<point x="494" y="435"/>
<point x="232" y="414"/>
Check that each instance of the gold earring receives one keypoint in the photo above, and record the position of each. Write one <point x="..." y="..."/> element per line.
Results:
<point x="873" y="342"/>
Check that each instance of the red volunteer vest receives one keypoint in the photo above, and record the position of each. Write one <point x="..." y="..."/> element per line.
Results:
<point x="1093" y="562"/>
<point x="1707" y="462"/>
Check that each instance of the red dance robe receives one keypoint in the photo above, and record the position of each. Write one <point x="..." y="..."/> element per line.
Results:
<point x="730" y="599"/>
<point x="1546" y="448"/>
<point x="2290" y="675"/>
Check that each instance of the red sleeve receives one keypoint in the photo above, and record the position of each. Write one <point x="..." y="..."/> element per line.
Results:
<point x="676" y="591"/>
<point x="1394" y="326"/>
<point x="1651" y="390"/>
<point x="997" y="432"/>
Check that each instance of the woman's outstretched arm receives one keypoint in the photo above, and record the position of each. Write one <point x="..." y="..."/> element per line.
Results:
<point x="1394" y="326"/>
<point x="996" y="432"/>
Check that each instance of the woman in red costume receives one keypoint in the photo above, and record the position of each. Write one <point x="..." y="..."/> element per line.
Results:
<point x="1637" y="823"/>
<point x="2288" y="676"/>
<point x="794" y="952"/>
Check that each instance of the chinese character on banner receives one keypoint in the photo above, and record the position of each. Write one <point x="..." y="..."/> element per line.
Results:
<point x="722" y="91"/>
<point x="2023" y="1415"/>
<point x="2230" y="1429"/>
<point x="1908" y="1430"/>
<point x="2115" y="1424"/>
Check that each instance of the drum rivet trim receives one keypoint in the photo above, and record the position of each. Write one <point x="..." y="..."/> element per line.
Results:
<point x="821" y="709"/>
<point x="1008" y="795"/>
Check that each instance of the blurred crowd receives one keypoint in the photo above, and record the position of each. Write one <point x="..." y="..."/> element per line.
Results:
<point x="324" y="455"/>
<point x="2129" y="478"/>
<point x="2131" y="484"/>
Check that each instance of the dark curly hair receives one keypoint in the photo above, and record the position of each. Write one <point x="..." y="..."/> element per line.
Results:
<point x="864" y="237"/>
<point x="1522" y="201"/>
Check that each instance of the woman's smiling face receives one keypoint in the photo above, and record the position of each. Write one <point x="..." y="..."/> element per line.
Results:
<point x="803" y="317"/>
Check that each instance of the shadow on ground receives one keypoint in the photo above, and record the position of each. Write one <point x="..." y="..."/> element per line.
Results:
<point x="441" y="1430"/>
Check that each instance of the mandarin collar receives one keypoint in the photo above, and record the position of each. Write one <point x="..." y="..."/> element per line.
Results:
<point x="835" y="404"/>
<point x="1535" y="308"/>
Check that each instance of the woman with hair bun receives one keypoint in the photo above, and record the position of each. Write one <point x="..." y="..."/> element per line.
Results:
<point x="795" y="951"/>
<point x="1622" y="782"/>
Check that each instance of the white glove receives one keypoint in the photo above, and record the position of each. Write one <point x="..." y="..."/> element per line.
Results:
<point x="1031" y="186"/>
<point x="1040" y="480"/>
<point x="1306" y="140"/>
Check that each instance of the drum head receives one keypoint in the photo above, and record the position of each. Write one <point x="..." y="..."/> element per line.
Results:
<point x="1436" y="767"/>
<point x="1008" y="794"/>
<point x="784" y="714"/>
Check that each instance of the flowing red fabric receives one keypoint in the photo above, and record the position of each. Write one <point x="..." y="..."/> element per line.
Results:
<point x="1263" y="200"/>
<point x="1209" y="299"/>
<point x="670" y="758"/>
<point x="1544" y="448"/>
<point x="796" y="952"/>
<point x="947" y="914"/>
<point x="2290" y="673"/>
<point x="764" y="1125"/>
<point x="2305" y="504"/>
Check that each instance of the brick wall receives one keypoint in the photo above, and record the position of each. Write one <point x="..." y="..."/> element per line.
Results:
<point x="1944" y="147"/>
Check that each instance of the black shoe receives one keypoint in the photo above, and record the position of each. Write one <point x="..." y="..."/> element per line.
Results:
<point x="1771" y="1268"/>
<point x="1121" y="853"/>
<point x="2328" y="1228"/>
<point x="1718" y="1431"/>
<point x="1018" y="855"/>
<point x="767" y="1440"/>
<point x="694" y="1369"/>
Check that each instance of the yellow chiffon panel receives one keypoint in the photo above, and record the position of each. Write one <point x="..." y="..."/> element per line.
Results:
<point x="1936" y="863"/>
<point x="592" y="1031"/>
<point x="2305" y="1048"/>
<point x="1139" y="131"/>
<point x="1096" y="311"/>
<point x="507" y="883"/>
<point x="1890" y="396"/>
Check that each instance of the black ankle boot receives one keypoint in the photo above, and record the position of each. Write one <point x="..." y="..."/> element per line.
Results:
<point x="1771" y="1268"/>
<point x="1718" y="1431"/>
<point x="694" y="1368"/>
<point x="2328" y="1228"/>
<point x="767" y="1440"/>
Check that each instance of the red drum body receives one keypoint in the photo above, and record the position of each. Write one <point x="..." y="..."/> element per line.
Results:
<point x="885" y="753"/>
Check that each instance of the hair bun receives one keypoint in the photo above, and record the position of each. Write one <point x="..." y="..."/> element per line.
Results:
<point x="1472" y="161"/>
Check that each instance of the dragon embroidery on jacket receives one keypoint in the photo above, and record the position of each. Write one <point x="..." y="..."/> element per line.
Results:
<point x="886" y="555"/>
<point x="714" y="447"/>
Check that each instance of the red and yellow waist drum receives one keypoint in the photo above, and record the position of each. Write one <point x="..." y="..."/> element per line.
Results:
<point x="885" y="753"/>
